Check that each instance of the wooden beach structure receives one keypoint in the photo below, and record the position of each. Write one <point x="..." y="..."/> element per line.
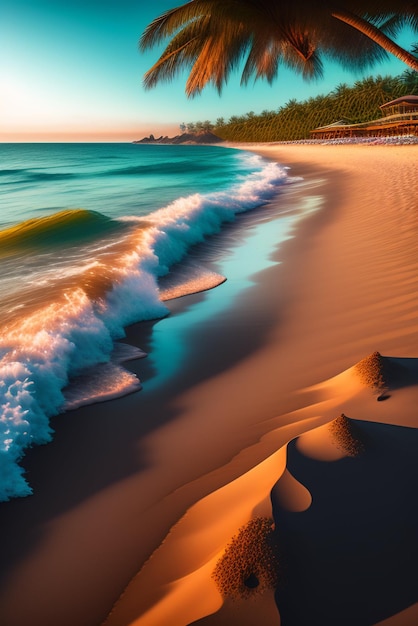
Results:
<point x="400" y="117"/>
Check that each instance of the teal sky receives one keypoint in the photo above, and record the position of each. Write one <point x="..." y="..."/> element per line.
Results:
<point x="71" y="70"/>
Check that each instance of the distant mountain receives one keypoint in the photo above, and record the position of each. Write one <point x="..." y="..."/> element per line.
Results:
<point x="203" y="137"/>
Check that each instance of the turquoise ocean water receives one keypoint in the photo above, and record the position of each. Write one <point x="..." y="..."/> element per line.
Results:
<point x="86" y="233"/>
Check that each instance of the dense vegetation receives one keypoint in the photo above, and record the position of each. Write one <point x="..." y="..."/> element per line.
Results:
<point x="294" y="120"/>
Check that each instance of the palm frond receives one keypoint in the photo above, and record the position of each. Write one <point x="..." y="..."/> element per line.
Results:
<point x="181" y="52"/>
<point x="390" y="25"/>
<point x="220" y="54"/>
<point x="170" y="21"/>
<point x="213" y="37"/>
<point x="262" y="61"/>
<point x="310" y="67"/>
<point x="349" y="47"/>
<point x="222" y="12"/>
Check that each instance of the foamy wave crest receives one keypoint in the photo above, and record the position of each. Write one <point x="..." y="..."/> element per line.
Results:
<point x="63" y="355"/>
<point x="33" y="371"/>
<point x="189" y="220"/>
<point x="104" y="381"/>
<point x="41" y="356"/>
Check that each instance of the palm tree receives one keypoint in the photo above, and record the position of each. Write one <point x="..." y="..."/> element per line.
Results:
<point x="209" y="38"/>
<point x="212" y="37"/>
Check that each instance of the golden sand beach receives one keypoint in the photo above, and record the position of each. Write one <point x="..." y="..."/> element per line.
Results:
<point x="313" y="422"/>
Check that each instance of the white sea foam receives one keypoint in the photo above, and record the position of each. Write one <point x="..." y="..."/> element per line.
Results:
<point x="61" y="356"/>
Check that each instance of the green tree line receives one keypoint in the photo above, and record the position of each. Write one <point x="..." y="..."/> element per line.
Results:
<point x="295" y="119"/>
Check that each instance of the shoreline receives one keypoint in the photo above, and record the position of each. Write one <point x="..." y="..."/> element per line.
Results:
<point x="322" y="320"/>
<point x="321" y="237"/>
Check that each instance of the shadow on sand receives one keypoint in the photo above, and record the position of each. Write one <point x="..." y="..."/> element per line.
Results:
<point x="351" y="557"/>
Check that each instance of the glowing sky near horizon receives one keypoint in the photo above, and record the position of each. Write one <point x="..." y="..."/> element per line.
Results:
<point x="72" y="71"/>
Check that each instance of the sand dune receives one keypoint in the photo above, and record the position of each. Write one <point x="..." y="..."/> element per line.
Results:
<point x="350" y="558"/>
<point x="344" y="512"/>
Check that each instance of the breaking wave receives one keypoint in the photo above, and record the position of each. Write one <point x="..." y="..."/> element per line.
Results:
<point x="66" y="352"/>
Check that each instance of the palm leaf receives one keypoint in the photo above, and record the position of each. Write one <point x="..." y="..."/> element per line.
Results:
<point x="214" y="37"/>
